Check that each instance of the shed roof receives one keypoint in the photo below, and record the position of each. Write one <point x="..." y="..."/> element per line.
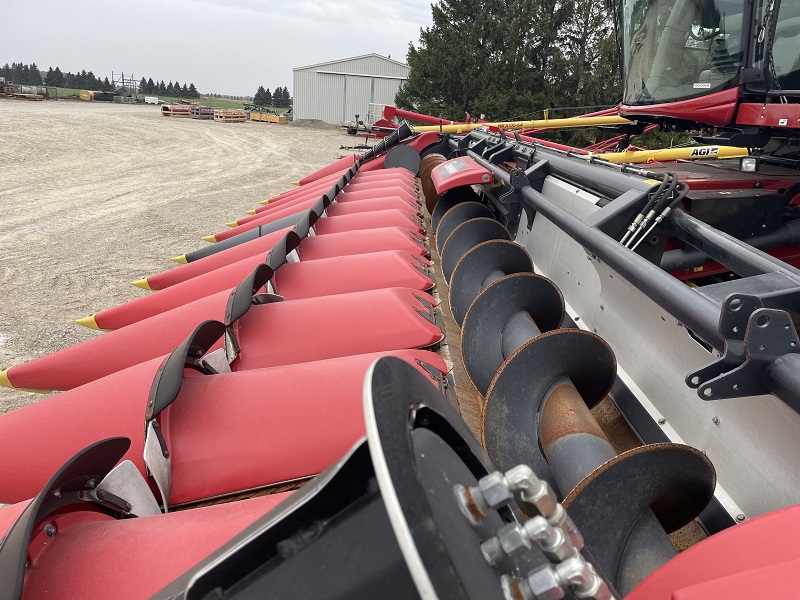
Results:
<point x="332" y="62"/>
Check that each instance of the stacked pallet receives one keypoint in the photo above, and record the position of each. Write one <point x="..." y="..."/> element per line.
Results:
<point x="202" y="112"/>
<point x="268" y="118"/>
<point x="224" y="115"/>
<point x="175" y="110"/>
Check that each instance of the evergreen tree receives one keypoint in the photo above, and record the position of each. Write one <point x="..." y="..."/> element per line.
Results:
<point x="184" y="91"/>
<point x="162" y="88"/>
<point x="143" y="86"/>
<point x="508" y="69"/>
<point x="193" y="91"/>
<point x="49" y="77"/>
<point x="151" y="87"/>
<point x="35" y="77"/>
<point x="91" y="81"/>
<point x="58" y="78"/>
<point x="540" y="55"/>
<point x="258" y="98"/>
<point x="170" y="89"/>
<point x="177" y="89"/>
<point x="268" y="100"/>
<point x="106" y="85"/>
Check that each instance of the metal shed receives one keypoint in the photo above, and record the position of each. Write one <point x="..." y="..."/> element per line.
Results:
<point x="338" y="90"/>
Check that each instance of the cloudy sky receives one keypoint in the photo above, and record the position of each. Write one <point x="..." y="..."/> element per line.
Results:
<point x="223" y="46"/>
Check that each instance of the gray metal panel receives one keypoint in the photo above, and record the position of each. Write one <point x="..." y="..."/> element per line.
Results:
<point x="333" y="98"/>
<point x="751" y="441"/>
<point x="386" y="90"/>
<point x="357" y="96"/>
<point x="319" y="96"/>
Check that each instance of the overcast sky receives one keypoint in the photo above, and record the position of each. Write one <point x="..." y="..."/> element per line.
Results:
<point x="223" y="46"/>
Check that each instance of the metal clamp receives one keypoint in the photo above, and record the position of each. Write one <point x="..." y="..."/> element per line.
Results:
<point x="755" y="337"/>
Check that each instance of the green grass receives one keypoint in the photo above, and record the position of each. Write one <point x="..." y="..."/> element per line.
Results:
<point x="66" y="92"/>
<point x="213" y="102"/>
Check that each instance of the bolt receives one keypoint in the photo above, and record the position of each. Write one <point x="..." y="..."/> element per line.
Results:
<point x="50" y="530"/>
<point x="495" y="489"/>
<point x="602" y="307"/>
<point x="662" y="421"/>
<point x="102" y="493"/>
<point x="90" y="484"/>
<point x="492" y="551"/>
<point x="514" y="588"/>
<point x="471" y="502"/>
<point x="544" y="585"/>
<point x="740" y="517"/>
<point x="57" y="493"/>
<point x="715" y="420"/>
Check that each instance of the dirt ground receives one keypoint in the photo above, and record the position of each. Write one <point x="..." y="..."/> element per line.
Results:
<point x="94" y="196"/>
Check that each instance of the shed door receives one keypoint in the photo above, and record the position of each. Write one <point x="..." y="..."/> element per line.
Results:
<point x="357" y="96"/>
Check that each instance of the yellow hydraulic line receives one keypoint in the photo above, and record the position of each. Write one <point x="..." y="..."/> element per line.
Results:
<point x="538" y="124"/>
<point x="670" y="154"/>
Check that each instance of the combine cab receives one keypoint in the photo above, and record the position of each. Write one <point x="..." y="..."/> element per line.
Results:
<point x="305" y="348"/>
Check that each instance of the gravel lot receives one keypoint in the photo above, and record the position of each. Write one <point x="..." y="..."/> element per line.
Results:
<point x="94" y="195"/>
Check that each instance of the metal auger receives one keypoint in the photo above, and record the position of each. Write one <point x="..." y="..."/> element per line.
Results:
<point x="537" y="412"/>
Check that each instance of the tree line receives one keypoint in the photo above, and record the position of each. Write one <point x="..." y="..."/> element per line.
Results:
<point x="175" y="90"/>
<point x="514" y="58"/>
<point x="22" y="74"/>
<point x="30" y="75"/>
<point x="279" y="98"/>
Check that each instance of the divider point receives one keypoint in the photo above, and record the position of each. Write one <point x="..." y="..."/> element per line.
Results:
<point x="210" y="238"/>
<point x="88" y="322"/>
<point x="181" y="260"/>
<point x="232" y="224"/>
<point x="250" y="212"/>
<point x="142" y="283"/>
<point x="4" y="380"/>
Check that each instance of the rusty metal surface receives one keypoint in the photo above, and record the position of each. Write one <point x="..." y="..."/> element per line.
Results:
<point x="614" y="506"/>
<point x="465" y="397"/>
<point x="684" y="476"/>
<point x="428" y="164"/>
<point x="565" y="413"/>
<point x="277" y="488"/>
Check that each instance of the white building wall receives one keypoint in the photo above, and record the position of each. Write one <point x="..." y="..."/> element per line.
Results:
<point x="338" y="90"/>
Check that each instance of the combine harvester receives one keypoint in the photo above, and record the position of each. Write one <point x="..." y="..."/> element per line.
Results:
<point x="305" y="347"/>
